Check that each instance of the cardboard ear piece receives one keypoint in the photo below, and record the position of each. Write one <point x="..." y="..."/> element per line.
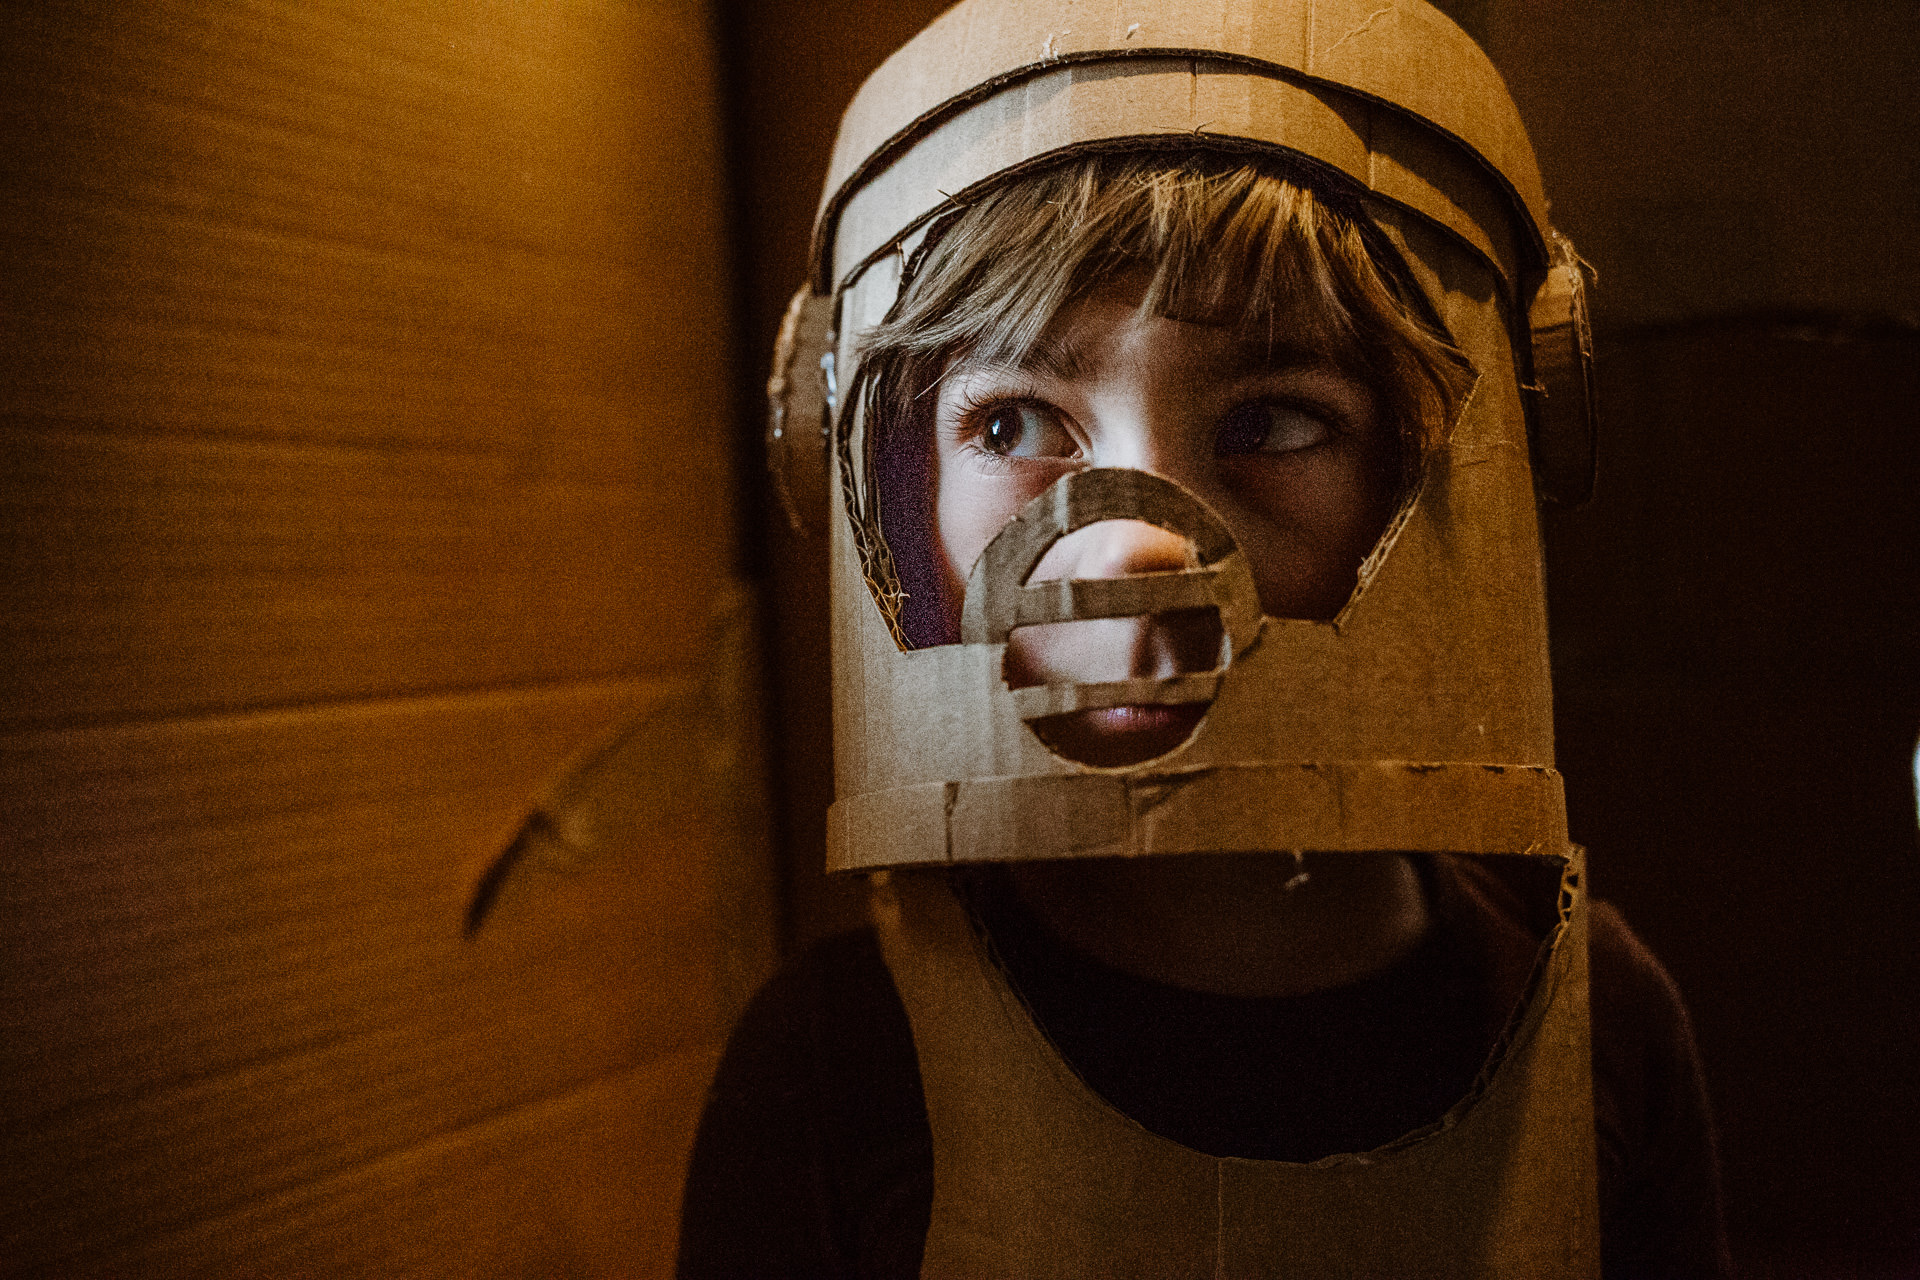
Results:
<point x="1561" y="406"/>
<point x="800" y="396"/>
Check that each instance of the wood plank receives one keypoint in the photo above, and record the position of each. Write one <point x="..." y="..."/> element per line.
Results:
<point x="145" y="577"/>
<point x="480" y="228"/>
<point x="584" y="1184"/>
<point x="231" y="949"/>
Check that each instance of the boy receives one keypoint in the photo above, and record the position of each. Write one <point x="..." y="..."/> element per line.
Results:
<point x="1223" y="397"/>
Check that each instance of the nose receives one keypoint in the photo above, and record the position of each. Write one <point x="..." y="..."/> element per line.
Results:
<point x="1113" y="549"/>
<point x="1115" y="648"/>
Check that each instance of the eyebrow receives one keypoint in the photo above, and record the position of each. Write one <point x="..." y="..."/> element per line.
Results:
<point x="1054" y="357"/>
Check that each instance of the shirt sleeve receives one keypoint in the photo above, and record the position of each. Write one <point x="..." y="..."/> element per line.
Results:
<point x="813" y="1158"/>
<point x="1659" y="1167"/>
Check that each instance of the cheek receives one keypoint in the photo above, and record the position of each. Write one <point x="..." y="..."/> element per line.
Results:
<point x="1308" y="524"/>
<point x="1341" y="503"/>
<point x="969" y="509"/>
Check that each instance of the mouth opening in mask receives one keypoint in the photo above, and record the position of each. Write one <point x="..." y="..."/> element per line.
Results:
<point x="1146" y="659"/>
<point x="1160" y="646"/>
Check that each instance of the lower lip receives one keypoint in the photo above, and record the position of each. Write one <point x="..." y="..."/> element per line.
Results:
<point x="1136" y="718"/>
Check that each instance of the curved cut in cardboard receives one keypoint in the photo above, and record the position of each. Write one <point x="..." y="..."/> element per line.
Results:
<point x="1036" y="1175"/>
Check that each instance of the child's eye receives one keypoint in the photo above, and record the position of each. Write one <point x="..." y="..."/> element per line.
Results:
<point x="1269" y="428"/>
<point x="1023" y="429"/>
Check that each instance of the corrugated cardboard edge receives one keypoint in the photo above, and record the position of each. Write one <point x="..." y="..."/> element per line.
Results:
<point x="1308" y="806"/>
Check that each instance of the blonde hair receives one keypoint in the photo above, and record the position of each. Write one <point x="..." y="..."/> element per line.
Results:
<point x="1226" y="243"/>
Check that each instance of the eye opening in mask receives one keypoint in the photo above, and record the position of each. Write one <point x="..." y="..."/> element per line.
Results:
<point x="1220" y="241"/>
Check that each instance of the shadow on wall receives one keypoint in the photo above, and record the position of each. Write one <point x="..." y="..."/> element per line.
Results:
<point x="1736" y="631"/>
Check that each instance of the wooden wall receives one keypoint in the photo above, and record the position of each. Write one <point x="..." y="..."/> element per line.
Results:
<point x="368" y="470"/>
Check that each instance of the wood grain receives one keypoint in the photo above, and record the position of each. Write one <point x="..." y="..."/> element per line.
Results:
<point x="367" y="471"/>
<point x="232" y="958"/>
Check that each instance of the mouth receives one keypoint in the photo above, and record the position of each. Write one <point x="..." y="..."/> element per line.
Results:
<point x="1114" y="737"/>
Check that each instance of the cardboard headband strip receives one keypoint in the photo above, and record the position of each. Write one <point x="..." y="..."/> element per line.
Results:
<point x="1339" y="806"/>
<point x="1401" y="69"/>
<point x="1178" y="103"/>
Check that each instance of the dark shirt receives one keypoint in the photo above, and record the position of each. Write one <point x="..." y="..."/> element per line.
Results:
<point x="814" y="1157"/>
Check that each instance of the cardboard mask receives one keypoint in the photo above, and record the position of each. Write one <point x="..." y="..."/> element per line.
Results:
<point x="1418" y="719"/>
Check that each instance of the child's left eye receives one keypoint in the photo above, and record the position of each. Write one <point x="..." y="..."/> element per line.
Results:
<point x="1269" y="428"/>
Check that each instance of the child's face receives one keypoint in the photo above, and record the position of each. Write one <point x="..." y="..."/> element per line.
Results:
<point x="1287" y="447"/>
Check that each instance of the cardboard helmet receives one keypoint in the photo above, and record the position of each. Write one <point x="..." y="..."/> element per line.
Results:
<point x="1417" y="719"/>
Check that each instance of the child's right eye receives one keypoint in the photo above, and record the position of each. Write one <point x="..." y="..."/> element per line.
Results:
<point x="1267" y="428"/>
<point x="1024" y="429"/>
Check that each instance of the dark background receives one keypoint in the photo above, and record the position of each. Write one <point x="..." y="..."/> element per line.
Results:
<point x="1736" y="615"/>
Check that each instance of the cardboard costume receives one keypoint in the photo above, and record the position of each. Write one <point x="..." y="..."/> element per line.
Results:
<point x="1419" y="719"/>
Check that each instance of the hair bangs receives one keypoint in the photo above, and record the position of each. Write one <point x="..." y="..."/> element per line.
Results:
<point x="1220" y="244"/>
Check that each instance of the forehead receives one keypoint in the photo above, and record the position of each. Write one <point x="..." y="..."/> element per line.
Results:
<point x="1114" y="322"/>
